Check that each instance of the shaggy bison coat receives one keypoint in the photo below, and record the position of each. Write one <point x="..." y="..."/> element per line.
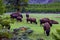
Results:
<point x="44" y="20"/>
<point x="54" y="22"/>
<point x="46" y="27"/>
<point x="19" y="18"/>
<point x="15" y="15"/>
<point x="31" y="20"/>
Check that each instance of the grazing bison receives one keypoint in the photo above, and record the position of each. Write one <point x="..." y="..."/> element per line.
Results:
<point x="31" y="20"/>
<point x="54" y="22"/>
<point x="19" y="18"/>
<point x="27" y="15"/>
<point x="44" y="20"/>
<point x="15" y="15"/>
<point x="46" y="27"/>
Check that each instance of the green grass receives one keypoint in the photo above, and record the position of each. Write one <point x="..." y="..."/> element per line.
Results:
<point x="38" y="30"/>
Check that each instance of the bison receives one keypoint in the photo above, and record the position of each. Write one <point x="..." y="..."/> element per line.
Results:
<point x="54" y="22"/>
<point x="46" y="27"/>
<point x="31" y="20"/>
<point x="15" y="15"/>
<point x="44" y="20"/>
<point x="19" y="18"/>
<point x="27" y="15"/>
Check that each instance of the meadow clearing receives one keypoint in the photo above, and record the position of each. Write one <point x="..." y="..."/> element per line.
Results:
<point x="38" y="30"/>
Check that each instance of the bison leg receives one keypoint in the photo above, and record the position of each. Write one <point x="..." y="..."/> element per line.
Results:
<point x="35" y="22"/>
<point x="31" y="22"/>
<point x="40" y="23"/>
<point x="50" y="24"/>
<point x="20" y="20"/>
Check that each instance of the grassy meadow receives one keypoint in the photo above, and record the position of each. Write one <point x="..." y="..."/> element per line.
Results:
<point x="38" y="30"/>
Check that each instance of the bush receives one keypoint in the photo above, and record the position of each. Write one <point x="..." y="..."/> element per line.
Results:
<point x="2" y="7"/>
<point x="5" y="34"/>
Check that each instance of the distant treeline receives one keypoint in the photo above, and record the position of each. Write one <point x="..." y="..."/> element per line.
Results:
<point x="38" y="8"/>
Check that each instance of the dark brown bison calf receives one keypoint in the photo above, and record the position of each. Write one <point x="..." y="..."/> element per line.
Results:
<point x="19" y="18"/>
<point x="31" y="20"/>
<point x="46" y="27"/>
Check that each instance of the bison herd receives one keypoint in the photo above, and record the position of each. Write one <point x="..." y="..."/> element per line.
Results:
<point x="47" y="23"/>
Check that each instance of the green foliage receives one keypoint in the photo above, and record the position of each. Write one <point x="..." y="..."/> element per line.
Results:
<point x="2" y="7"/>
<point x="1" y="26"/>
<point x="14" y="6"/>
<point x="5" y="34"/>
<point x="58" y="31"/>
<point x="56" y="37"/>
<point x="53" y="7"/>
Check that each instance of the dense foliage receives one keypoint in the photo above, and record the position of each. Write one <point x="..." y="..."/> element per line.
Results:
<point x="13" y="5"/>
<point x="53" y="7"/>
<point x="2" y="7"/>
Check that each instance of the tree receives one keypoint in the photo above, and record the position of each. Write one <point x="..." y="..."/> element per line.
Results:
<point x="18" y="4"/>
<point x="2" y="8"/>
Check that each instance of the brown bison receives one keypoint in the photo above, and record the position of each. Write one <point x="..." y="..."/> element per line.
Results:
<point x="31" y="20"/>
<point x="44" y="20"/>
<point x="27" y="15"/>
<point x="54" y="22"/>
<point x="46" y="27"/>
<point x="19" y="18"/>
<point x="15" y="15"/>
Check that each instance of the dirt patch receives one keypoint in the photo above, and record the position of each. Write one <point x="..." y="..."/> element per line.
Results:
<point x="57" y="17"/>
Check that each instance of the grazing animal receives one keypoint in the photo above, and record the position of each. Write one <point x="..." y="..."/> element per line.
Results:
<point x="46" y="27"/>
<point x="27" y="15"/>
<point x="14" y="15"/>
<point x="19" y="18"/>
<point x="31" y="20"/>
<point x="44" y="20"/>
<point x="54" y="22"/>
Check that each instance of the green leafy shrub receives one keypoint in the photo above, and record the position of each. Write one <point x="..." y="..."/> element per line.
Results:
<point x="5" y="34"/>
